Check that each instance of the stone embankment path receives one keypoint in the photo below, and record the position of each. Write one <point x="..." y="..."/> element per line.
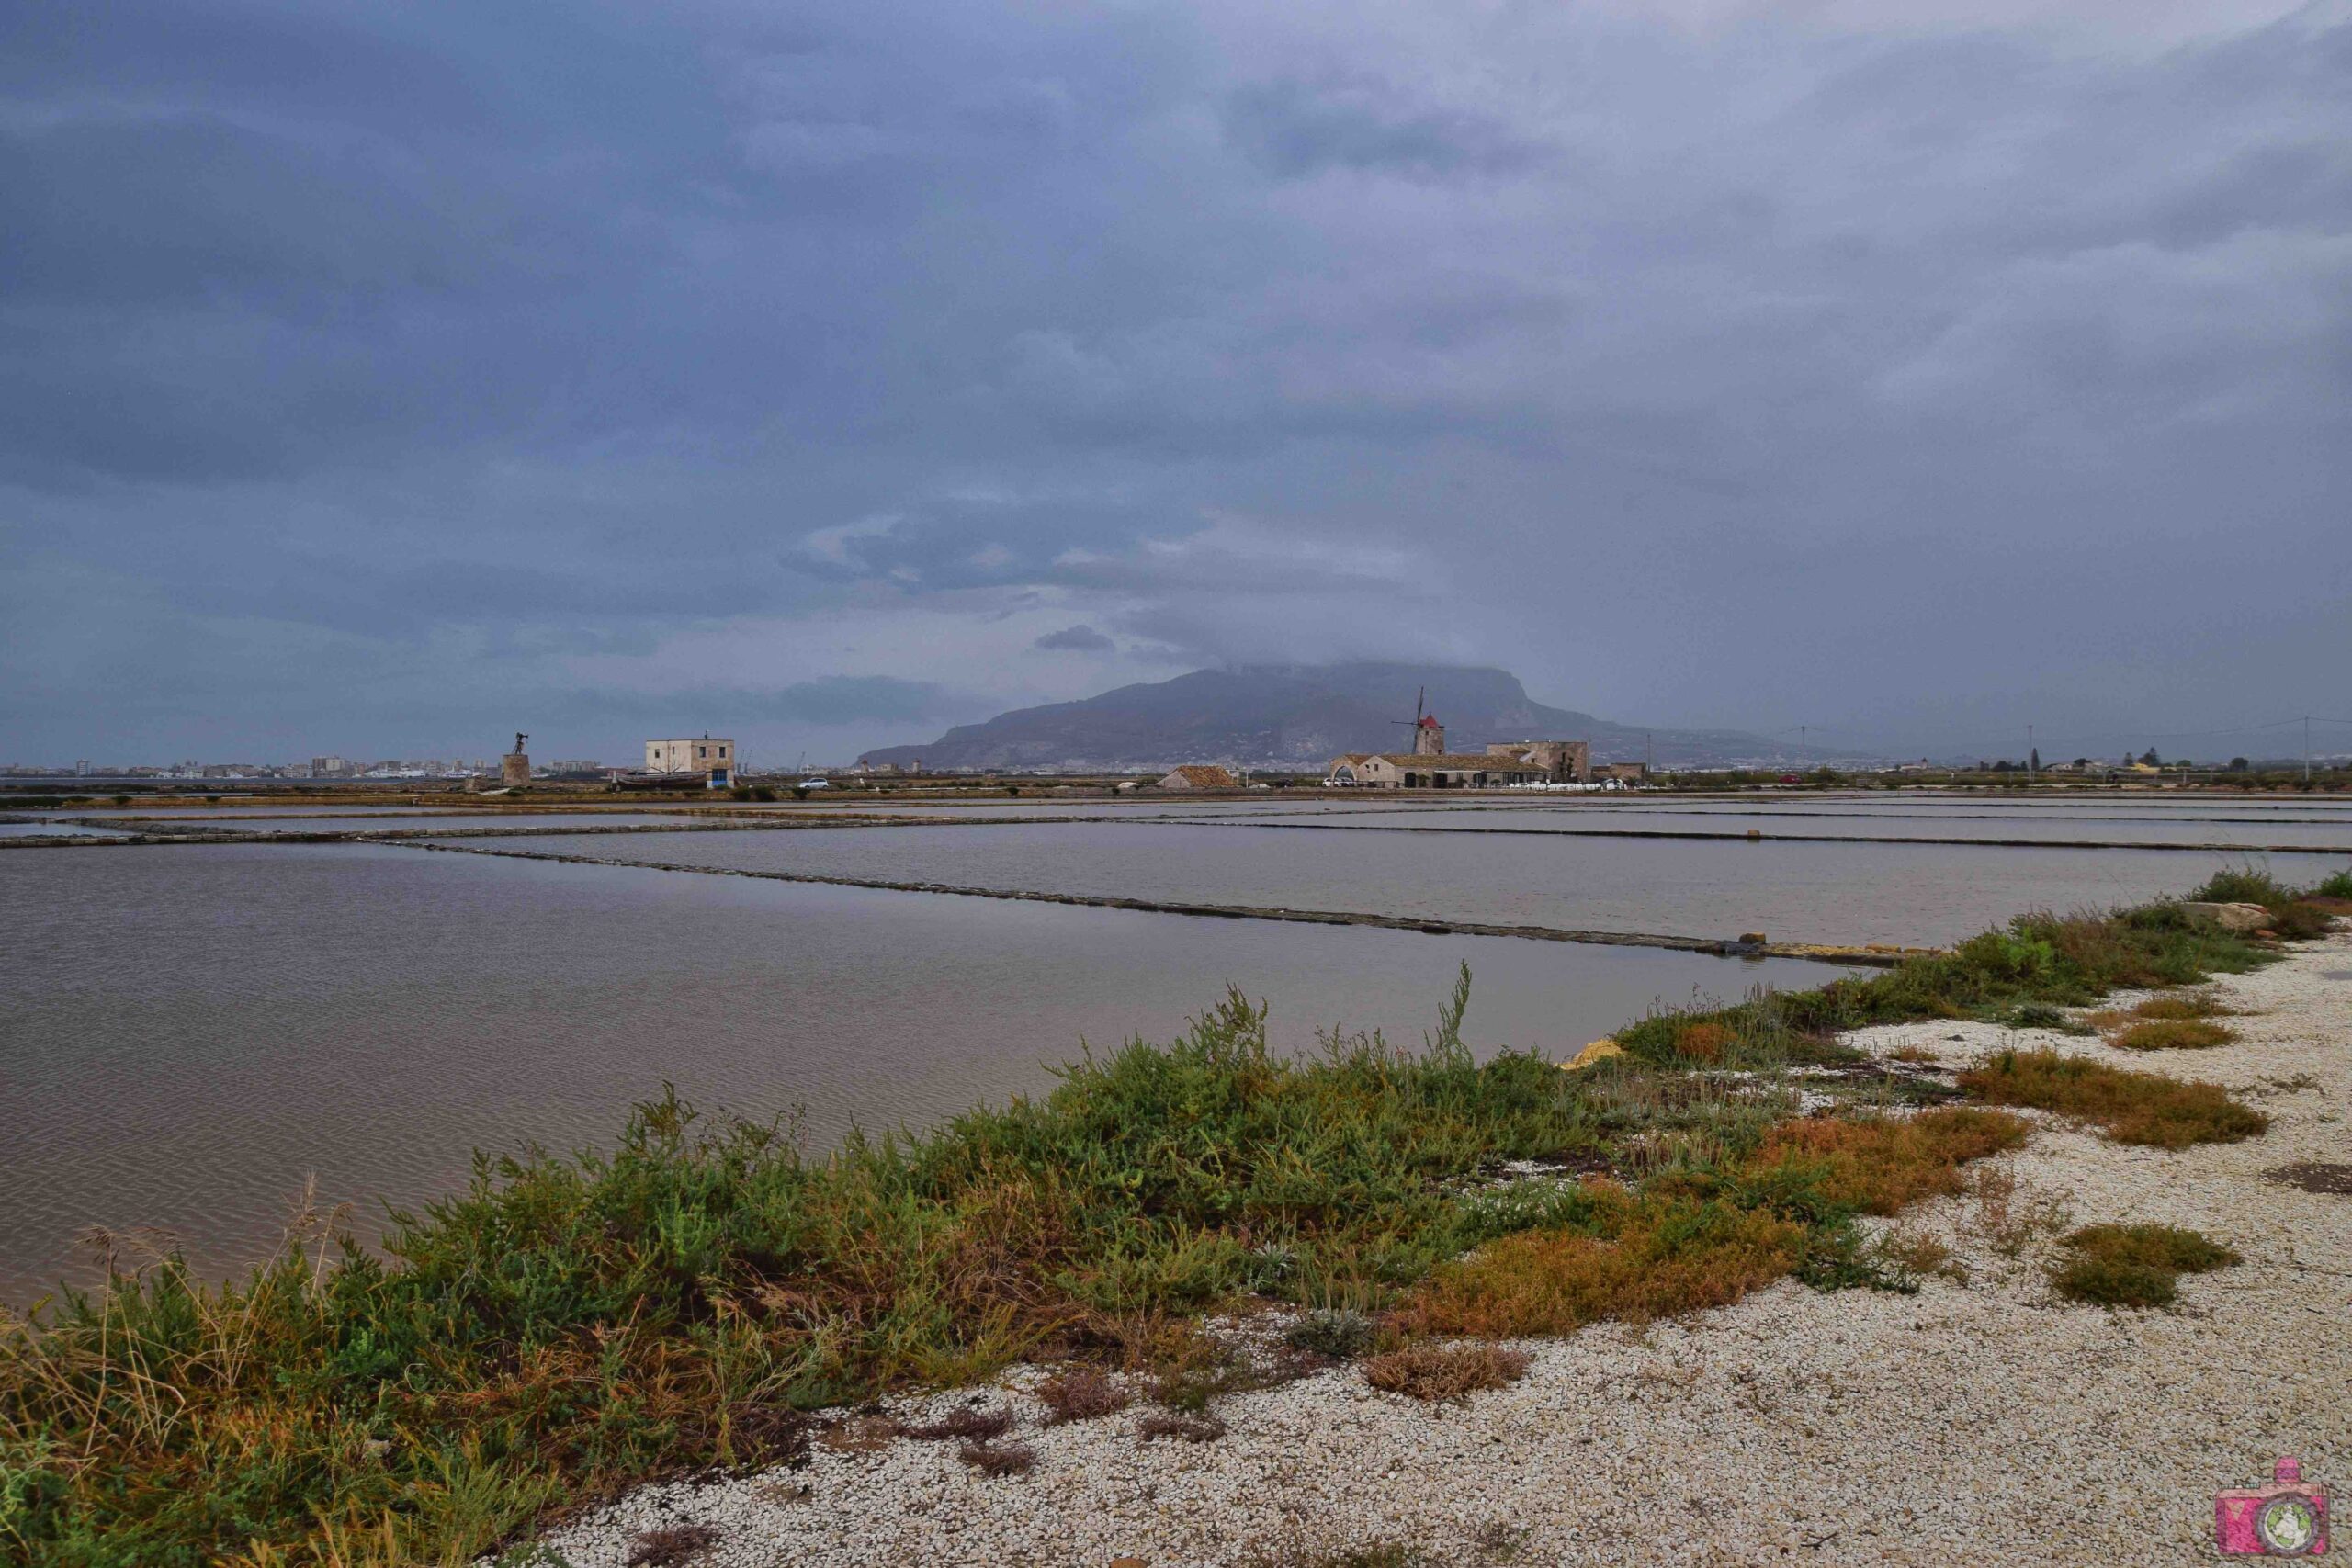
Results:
<point x="1984" y="1422"/>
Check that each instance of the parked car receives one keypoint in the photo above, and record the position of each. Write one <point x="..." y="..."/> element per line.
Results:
<point x="814" y="784"/>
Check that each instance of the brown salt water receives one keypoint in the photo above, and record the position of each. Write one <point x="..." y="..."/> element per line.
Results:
<point x="192" y="1030"/>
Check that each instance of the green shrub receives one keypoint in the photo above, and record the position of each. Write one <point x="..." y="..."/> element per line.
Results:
<point x="2134" y="1266"/>
<point x="1343" y="1335"/>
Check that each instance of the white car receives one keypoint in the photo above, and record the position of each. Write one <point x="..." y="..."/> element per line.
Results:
<point x="814" y="784"/>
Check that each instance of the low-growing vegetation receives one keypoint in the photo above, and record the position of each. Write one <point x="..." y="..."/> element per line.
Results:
<point x="2171" y="1022"/>
<point x="2292" y="913"/>
<point x="969" y="1424"/>
<point x="1703" y="1239"/>
<point x="2172" y="1034"/>
<point x="2134" y="1266"/>
<point x="991" y="1458"/>
<point x="567" y="1326"/>
<point x="671" y="1546"/>
<point x="2130" y="1108"/>
<point x="1880" y="1166"/>
<point x="1436" y="1372"/>
<point x="1625" y="1257"/>
<point x="1081" y="1393"/>
<point x="2021" y="975"/>
<point x="1184" y="1426"/>
<point x="1334" y="1333"/>
<point x="2005" y="1214"/>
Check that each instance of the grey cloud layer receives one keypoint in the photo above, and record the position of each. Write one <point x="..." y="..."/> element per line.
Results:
<point x="407" y="368"/>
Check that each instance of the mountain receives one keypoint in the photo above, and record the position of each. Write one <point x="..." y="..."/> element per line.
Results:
<point x="1295" y="717"/>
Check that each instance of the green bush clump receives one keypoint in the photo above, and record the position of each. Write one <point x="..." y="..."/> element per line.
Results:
<point x="1341" y="1335"/>
<point x="2290" y="915"/>
<point x="2134" y="1266"/>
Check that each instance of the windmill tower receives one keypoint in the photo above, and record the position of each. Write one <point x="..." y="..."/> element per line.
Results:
<point x="1429" y="735"/>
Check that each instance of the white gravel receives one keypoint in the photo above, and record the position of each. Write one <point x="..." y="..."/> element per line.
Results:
<point x="1978" y="1423"/>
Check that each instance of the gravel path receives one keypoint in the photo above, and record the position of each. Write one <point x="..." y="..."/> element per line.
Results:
<point x="1984" y="1422"/>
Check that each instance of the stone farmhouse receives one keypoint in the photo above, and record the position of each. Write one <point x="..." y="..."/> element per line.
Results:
<point x="1432" y="770"/>
<point x="711" y="760"/>
<point x="1429" y="765"/>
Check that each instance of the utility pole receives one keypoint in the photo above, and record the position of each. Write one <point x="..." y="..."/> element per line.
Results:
<point x="2307" y="748"/>
<point x="2031" y="751"/>
<point x="1647" y="769"/>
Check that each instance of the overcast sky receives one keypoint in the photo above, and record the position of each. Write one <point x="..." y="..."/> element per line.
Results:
<point x="384" y="379"/>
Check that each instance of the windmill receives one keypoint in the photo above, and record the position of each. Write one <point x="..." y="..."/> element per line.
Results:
<point x="1429" y="735"/>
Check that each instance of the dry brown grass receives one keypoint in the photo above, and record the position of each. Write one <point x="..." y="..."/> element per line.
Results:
<point x="1191" y="1428"/>
<point x="1652" y="1258"/>
<point x="859" y="1435"/>
<point x="971" y="1423"/>
<point x="671" y="1546"/>
<point x="1701" y="1042"/>
<point x="2173" y="1022"/>
<point x="1913" y="1055"/>
<point x="2131" y="1108"/>
<point x="999" y="1458"/>
<point x="1915" y="1254"/>
<point x="1882" y="1166"/>
<point x="2172" y="1034"/>
<point x="2189" y="1004"/>
<point x="1081" y="1393"/>
<point x="1666" y="1253"/>
<point x="1436" y="1372"/>
<point x="2007" y="1215"/>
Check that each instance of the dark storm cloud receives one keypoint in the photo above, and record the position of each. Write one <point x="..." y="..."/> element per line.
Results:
<point x="830" y="700"/>
<point x="1074" y="639"/>
<point x="375" y="375"/>
<point x="1298" y="129"/>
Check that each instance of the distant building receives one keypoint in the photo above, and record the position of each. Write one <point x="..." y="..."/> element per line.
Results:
<point x="1200" y="775"/>
<point x="712" y="761"/>
<point x="1623" y="772"/>
<point x="514" y="767"/>
<point x="1434" y="770"/>
<point x="1429" y="765"/>
<point x="1563" y="762"/>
